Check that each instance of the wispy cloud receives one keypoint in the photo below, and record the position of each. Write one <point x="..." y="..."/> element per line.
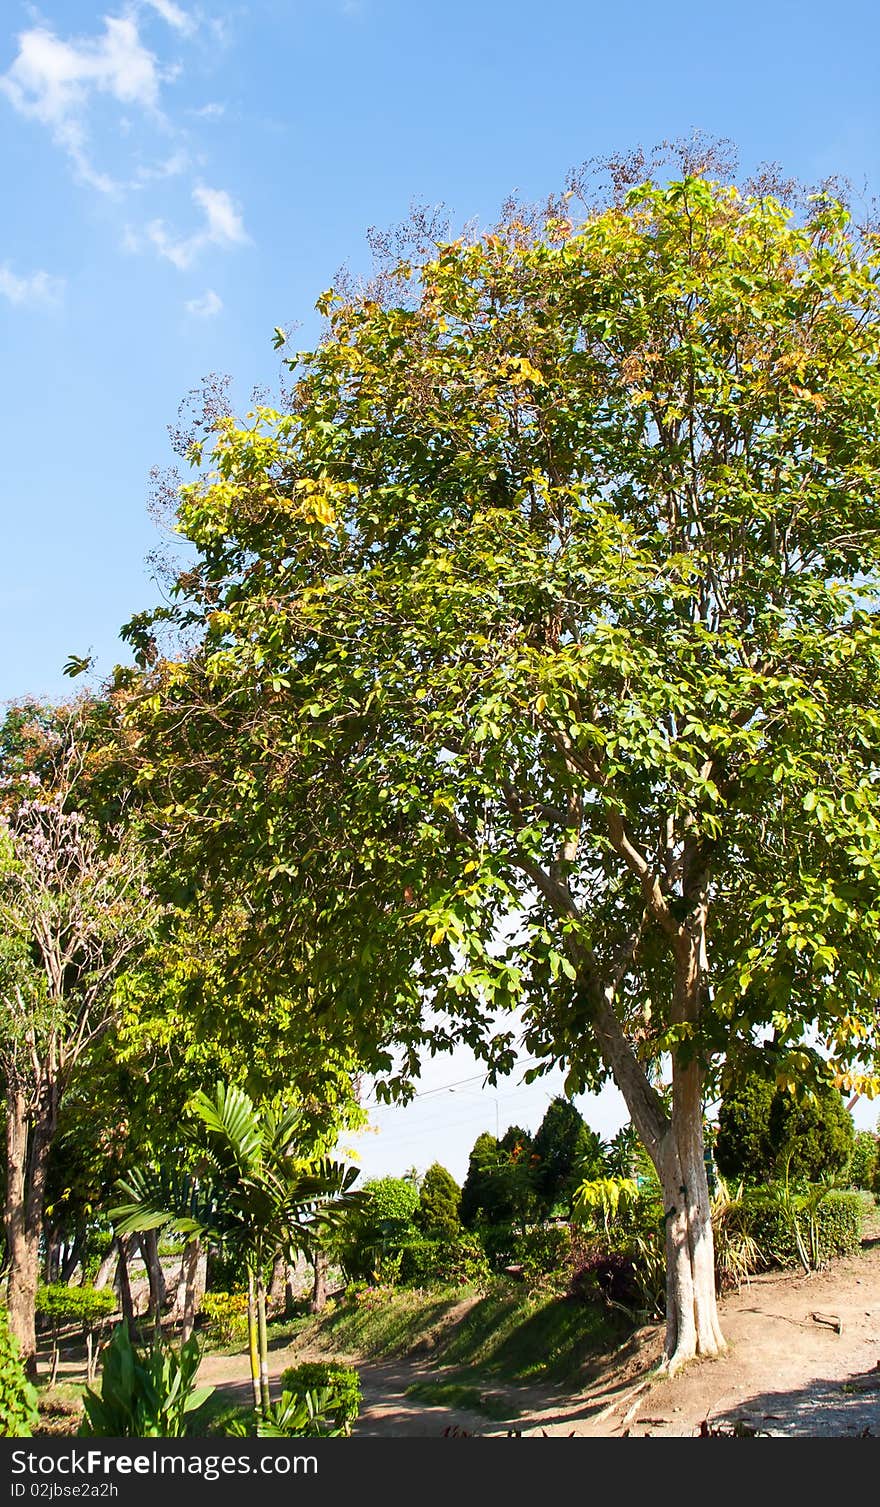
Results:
<point x="206" y="307"/>
<point x="174" y="15"/>
<point x="35" y="288"/>
<point x="53" y="81"/>
<point x="169" y="167"/>
<point x="212" y="111"/>
<point x="223" y="226"/>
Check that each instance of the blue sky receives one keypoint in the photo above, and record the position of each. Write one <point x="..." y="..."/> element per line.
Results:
<point x="181" y="176"/>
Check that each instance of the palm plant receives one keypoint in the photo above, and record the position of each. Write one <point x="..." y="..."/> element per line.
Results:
<point x="249" y="1192"/>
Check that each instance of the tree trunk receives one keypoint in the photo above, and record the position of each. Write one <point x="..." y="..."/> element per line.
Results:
<point x="265" y="1399"/>
<point x="275" y="1295"/>
<point x="102" y="1275"/>
<point x="692" y="1324"/>
<point x="194" y="1285"/>
<point x="675" y="1146"/>
<point x="73" y="1256"/>
<point x="123" y="1280"/>
<point x="28" y="1141"/>
<point x="319" y="1284"/>
<point x="149" y="1244"/>
<point x="253" y="1341"/>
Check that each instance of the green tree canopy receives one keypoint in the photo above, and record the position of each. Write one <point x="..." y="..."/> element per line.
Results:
<point x="537" y="639"/>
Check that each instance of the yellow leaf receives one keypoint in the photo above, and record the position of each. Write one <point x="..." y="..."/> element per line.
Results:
<point x="438" y="936"/>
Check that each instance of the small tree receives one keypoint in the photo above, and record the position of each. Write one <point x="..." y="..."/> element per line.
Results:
<point x="763" y="1130"/>
<point x="250" y="1190"/>
<point x="567" y="1151"/>
<point x="437" y="1215"/>
<point x="75" y="911"/>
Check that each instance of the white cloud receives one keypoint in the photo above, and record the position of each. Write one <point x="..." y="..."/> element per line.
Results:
<point x="223" y="227"/>
<point x="35" y="288"/>
<point x="53" y="81"/>
<point x="169" y="167"/>
<point x="212" y="111"/>
<point x="173" y="15"/>
<point x="206" y="307"/>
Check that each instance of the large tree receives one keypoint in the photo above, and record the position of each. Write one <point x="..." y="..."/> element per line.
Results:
<point x="534" y="661"/>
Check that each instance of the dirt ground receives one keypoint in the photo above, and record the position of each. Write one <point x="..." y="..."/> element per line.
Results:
<point x="786" y="1373"/>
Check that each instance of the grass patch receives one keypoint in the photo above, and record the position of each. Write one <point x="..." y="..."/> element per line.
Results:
<point x="518" y="1337"/>
<point x="506" y="1332"/>
<point x="385" y="1322"/>
<point x="457" y="1394"/>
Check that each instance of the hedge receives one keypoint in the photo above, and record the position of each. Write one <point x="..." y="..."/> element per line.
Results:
<point x="450" y="1262"/>
<point x="838" y="1221"/>
<point x="341" y="1381"/>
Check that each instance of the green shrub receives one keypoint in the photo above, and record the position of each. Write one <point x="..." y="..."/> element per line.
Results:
<point x="437" y="1214"/>
<point x="380" y="1226"/>
<point x="447" y="1263"/>
<point x="544" y="1251"/>
<point x="341" y="1382"/>
<point x="226" y="1313"/>
<point x="865" y="1164"/>
<point x="145" y="1394"/>
<point x="18" y="1398"/>
<point x="499" y="1243"/>
<point x="89" y="1307"/>
<point x="838" y="1224"/>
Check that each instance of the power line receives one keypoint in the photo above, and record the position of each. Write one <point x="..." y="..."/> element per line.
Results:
<point x="441" y="1088"/>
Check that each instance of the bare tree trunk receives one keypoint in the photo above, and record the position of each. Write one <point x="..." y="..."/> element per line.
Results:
<point x="265" y="1399"/>
<point x="675" y="1146"/>
<point x="319" y="1284"/>
<point x="253" y="1340"/>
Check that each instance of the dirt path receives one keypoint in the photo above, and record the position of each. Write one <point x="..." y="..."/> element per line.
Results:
<point x="785" y="1374"/>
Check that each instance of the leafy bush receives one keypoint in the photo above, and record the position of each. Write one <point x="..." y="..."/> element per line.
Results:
<point x="89" y="1307"/>
<point x="145" y="1394"/>
<point x="544" y="1251"/>
<point x="444" y="1262"/>
<point x="340" y="1384"/>
<point x="865" y="1165"/>
<point x="294" y="1416"/>
<point x="837" y="1218"/>
<point x="18" y="1398"/>
<point x="226" y="1313"/>
<point x="601" y="1271"/>
<point x="737" y="1253"/>
<point x="499" y="1243"/>
<point x="375" y="1232"/>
